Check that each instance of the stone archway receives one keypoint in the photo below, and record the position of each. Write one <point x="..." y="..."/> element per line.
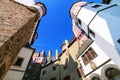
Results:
<point x="95" y="77"/>
<point x="110" y="72"/>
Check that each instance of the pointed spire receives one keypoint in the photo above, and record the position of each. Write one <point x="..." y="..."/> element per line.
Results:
<point x="66" y="42"/>
<point x="49" y="54"/>
<point x="43" y="54"/>
<point x="57" y="54"/>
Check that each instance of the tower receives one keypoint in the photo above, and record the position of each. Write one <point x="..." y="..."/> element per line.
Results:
<point x="97" y="50"/>
<point x="18" y="24"/>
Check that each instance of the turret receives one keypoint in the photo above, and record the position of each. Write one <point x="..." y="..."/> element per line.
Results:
<point x="41" y="8"/>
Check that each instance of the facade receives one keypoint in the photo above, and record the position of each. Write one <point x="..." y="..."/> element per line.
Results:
<point x="64" y="67"/>
<point x="18" y="24"/>
<point x="19" y="64"/>
<point x="68" y="61"/>
<point x="50" y="71"/>
<point x="100" y="53"/>
<point x="32" y="71"/>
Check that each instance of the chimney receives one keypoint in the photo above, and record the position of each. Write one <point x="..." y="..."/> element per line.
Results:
<point x="57" y="54"/>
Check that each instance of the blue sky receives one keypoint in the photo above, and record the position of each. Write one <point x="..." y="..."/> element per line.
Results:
<point x="55" y="26"/>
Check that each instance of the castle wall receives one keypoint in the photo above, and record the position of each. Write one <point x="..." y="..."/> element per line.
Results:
<point x="16" y="26"/>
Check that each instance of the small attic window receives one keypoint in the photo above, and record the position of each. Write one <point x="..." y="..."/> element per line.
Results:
<point x="79" y="22"/>
<point x="118" y="41"/>
<point x="106" y="1"/>
<point x="91" y="33"/>
<point x="96" y="6"/>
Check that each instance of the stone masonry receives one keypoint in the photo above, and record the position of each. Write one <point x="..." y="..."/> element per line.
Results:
<point x="16" y="25"/>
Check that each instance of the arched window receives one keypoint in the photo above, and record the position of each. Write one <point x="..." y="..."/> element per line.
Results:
<point x="110" y="72"/>
<point x="96" y="78"/>
<point x="113" y="73"/>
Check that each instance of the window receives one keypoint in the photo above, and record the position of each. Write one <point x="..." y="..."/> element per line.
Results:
<point x="106" y="1"/>
<point x="26" y="75"/>
<point x="53" y="78"/>
<point x="89" y="56"/>
<point x="80" y="71"/>
<point x="96" y="78"/>
<point x="19" y="61"/>
<point x="79" y="22"/>
<point x="44" y="72"/>
<point x="29" y="67"/>
<point x="66" y="63"/>
<point x="67" y="78"/>
<point x="118" y="41"/>
<point x="96" y="6"/>
<point x="54" y="68"/>
<point x="91" y="33"/>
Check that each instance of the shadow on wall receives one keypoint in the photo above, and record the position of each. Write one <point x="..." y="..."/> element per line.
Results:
<point x="63" y="70"/>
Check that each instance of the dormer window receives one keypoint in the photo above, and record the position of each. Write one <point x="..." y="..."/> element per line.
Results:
<point x="96" y="6"/>
<point x="79" y="22"/>
<point x="118" y="41"/>
<point x="91" y="33"/>
<point x="106" y="1"/>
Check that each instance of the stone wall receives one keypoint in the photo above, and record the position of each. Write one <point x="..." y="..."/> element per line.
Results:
<point x="69" y="62"/>
<point x="16" y="26"/>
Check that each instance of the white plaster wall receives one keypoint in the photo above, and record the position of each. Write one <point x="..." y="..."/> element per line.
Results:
<point x="14" y="75"/>
<point x="100" y="59"/>
<point x="25" y="53"/>
<point x="26" y="2"/>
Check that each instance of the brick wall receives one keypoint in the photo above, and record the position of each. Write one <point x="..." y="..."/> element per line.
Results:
<point x="16" y="26"/>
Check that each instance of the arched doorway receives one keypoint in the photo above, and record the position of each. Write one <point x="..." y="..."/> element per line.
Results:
<point x="111" y="72"/>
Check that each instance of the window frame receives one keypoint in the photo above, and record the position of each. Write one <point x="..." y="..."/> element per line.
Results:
<point x="54" y="78"/>
<point x="54" y="68"/>
<point x="91" y="33"/>
<point x="17" y="63"/>
<point x="80" y="71"/>
<point x="118" y="41"/>
<point x="88" y="56"/>
<point x="44" y="72"/>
